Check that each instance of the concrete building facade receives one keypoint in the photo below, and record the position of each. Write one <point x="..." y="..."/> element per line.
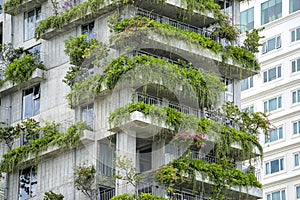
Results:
<point x="275" y="91"/>
<point x="137" y="136"/>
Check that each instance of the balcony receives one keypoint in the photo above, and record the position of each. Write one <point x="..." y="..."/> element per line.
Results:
<point x="181" y="25"/>
<point x="24" y="6"/>
<point x="37" y="76"/>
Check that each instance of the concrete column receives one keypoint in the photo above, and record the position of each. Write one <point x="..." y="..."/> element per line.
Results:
<point x="126" y="147"/>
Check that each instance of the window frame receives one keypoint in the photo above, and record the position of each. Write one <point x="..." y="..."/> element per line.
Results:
<point x="33" y="181"/>
<point x="290" y="7"/>
<point x="295" y="34"/>
<point x="88" y="108"/>
<point x="278" y="104"/>
<point x="88" y="31"/>
<point x="249" y="83"/>
<point x="296" y="96"/>
<point x="37" y="13"/>
<point x="247" y="13"/>
<point x="269" y="195"/>
<point x="296" y="65"/>
<point x="296" y="159"/>
<point x="266" y="74"/>
<point x="279" y="134"/>
<point x="277" y="43"/>
<point x="268" y="10"/>
<point x="297" y="125"/>
<point x="268" y="166"/>
<point x="297" y="189"/>
<point x="35" y="101"/>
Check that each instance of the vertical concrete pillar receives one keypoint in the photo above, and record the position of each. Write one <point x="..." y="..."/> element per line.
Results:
<point x="126" y="147"/>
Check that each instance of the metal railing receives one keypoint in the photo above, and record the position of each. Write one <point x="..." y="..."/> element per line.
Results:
<point x="181" y="25"/>
<point x="152" y="100"/>
<point x="202" y="156"/>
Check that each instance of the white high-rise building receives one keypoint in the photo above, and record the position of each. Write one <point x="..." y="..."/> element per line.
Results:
<point x="276" y="91"/>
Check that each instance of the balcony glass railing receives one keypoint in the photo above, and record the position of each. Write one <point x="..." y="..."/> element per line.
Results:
<point x="181" y="25"/>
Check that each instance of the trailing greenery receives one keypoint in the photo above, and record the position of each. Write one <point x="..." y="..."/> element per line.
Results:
<point x="143" y="196"/>
<point x="127" y="27"/>
<point x="18" y="64"/>
<point x="224" y="175"/>
<point x="79" y="49"/>
<point x="204" y="88"/>
<point x="50" y="136"/>
<point x="93" y="8"/>
<point x="53" y="196"/>
<point x="11" y="4"/>
<point x="223" y="135"/>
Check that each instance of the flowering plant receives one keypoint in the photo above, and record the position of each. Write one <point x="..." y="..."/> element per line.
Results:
<point x="226" y="29"/>
<point x="190" y="137"/>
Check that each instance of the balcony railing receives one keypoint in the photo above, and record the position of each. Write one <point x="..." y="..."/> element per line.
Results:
<point x="152" y="100"/>
<point x="180" y="25"/>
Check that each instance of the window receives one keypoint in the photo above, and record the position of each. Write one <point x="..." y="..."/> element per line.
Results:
<point x="106" y="159"/>
<point x="297" y="159"/>
<point x="296" y="127"/>
<point x="31" y="20"/>
<point x="247" y="20"/>
<point x="294" y="5"/>
<point x="35" y="52"/>
<point x="272" y="74"/>
<point x="295" y="35"/>
<point x="298" y="192"/>
<point x="27" y="183"/>
<point x="272" y="104"/>
<point x="274" y="166"/>
<point x="270" y="10"/>
<point x="229" y="92"/>
<point x="296" y="65"/>
<point x="278" y="195"/>
<point x="250" y="109"/>
<point x="31" y="102"/>
<point x="275" y="134"/>
<point x="296" y="96"/>
<point x="88" y="30"/>
<point x="247" y="83"/>
<point x="87" y="114"/>
<point x="271" y="44"/>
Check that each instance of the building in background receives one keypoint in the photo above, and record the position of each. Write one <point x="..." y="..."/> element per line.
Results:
<point x="97" y="94"/>
<point x="275" y="90"/>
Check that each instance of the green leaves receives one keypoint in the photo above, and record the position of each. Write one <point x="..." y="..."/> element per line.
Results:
<point x="49" y="137"/>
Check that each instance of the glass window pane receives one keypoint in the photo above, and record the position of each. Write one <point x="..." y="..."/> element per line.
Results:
<point x="293" y="36"/>
<point x="280" y="133"/>
<point x="274" y="166"/>
<point x="298" y="64"/>
<point x="298" y="192"/>
<point x="294" y="97"/>
<point x="271" y="44"/>
<point x="273" y="135"/>
<point x="272" y="74"/>
<point x="272" y="104"/>
<point x="279" y="71"/>
<point x="295" y="127"/>
<point x="265" y="106"/>
<point x="298" y="34"/>
<point x="293" y="66"/>
<point x="278" y="42"/>
<point x="27" y="106"/>
<point x="268" y="197"/>
<point x="296" y="159"/>
<point x="279" y="102"/>
<point x="267" y="168"/>
<point x="265" y="77"/>
<point x="283" y="194"/>
<point x="281" y="164"/>
<point x="276" y="195"/>
<point x="298" y="96"/>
